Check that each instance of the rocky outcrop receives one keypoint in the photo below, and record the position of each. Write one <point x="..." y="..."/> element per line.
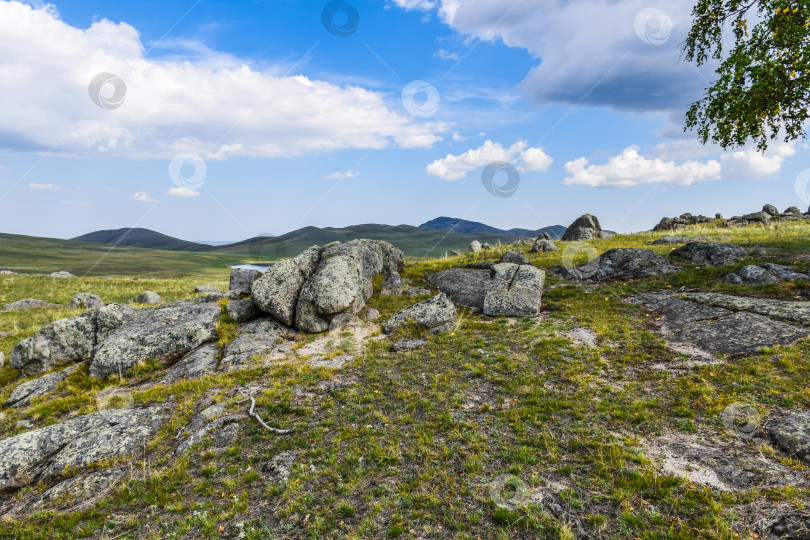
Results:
<point x="242" y="280"/>
<point x="147" y="297"/>
<point x="671" y="240"/>
<point x="764" y="274"/>
<point x="516" y="291"/>
<point x="75" y="444"/>
<point x="256" y="339"/>
<point x="586" y="227"/>
<point x="168" y="330"/>
<point x="241" y="311"/>
<point x="713" y="253"/>
<point x="726" y="324"/>
<point x="198" y="363"/>
<point x="791" y="433"/>
<point x="66" y="340"/>
<point x="437" y="314"/>
<point x="671" y="224"/>
<point x="86" y="301"/>
<point x="25" y="392"/>
<point x="276" y="292"/>
<point x="28" y="303"/>
<point x="619" y="263"/>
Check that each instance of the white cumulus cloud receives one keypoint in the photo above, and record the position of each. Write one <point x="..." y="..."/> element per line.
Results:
<point x="44" y="187"/>
<point x="455" y="167"/>
<point x="47" y="66"/>
<point x="751" y="164"/>
<point x="143" y="196"/>
<point x="341" y="175"/>
<point x="182" y="192"/>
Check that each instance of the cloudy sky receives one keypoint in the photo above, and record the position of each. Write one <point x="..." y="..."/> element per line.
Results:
<point x="214" y="120"/>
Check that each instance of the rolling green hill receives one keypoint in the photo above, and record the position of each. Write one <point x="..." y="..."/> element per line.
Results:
<point x="142" y="238"/>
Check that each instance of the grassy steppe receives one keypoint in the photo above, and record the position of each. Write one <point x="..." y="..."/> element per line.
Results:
<point x="407" y="445"/>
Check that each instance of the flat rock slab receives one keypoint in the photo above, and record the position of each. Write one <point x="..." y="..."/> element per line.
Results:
<point x="725" y="324"/>
<point x="619" y="263"/>
<point x="465" y="287"/>
<point x="24" y="393"/>
<point x="28" y="303"/>
<point x="791" y="433"/>
<point x="194" y="365"/>
<point x="256" y="339"/>
<point x="76" y="443"/>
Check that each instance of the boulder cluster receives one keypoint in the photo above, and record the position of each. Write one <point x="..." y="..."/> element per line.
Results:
<point x="768" y="214"/>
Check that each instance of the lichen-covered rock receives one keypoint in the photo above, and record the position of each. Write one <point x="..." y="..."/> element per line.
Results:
<point x="86" y="301"/>
<point x="25" y="392"/>
<point x="516" y="291"/>
<point x="670" y="240"/>
<point x="256" y="339"/>
<point x="75" y="443"/>
<point x="65" y="340"/>
<point x="514" y="257"/>
<point x="111" y="317"/>
<point x="276" y="291"/>
<point x="242" y="310"/>
<point x="791" y="433"/>
<point x="541" y="245"/>
<point x="171" y="329"/>
<point x="586" y="227"/>
<point x="409" y="345"/>
<point x="28" y="303"/>
<point x="147" y="297"/>
<point x="196" y="364"/>
<point x="770" y="209"/>
<point x="205" y="289"/>
<point x="437" y="314"/>
<point x="785" y="272"/>
<point x="619" y="263"/>
<point x="78" y="491"/>
<point x="465" y="287"/>
<point x="242" y="280"/>
<point x="755" y="275"/>
<point x="713" y="253"/>
<point x="392" y="285"/>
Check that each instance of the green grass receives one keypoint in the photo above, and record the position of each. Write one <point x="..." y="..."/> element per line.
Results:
<point x="407" y="445"/>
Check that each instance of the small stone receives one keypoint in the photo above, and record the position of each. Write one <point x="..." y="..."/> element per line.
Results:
<point x="242" y="280"/>
<point x="414" y="292"/>
<point x="756" y="275"/>
<point x="86" y="301"/>
<point x="372" y="314"/>
<point x="61" y="275"/>
<point x="408" y="345"/>
<point x="437" y="314"/>
<point x="392" y="285"/>
<point x="147" y="297"/>
<point x="718" y="216"/>
<point x="486" y="245"/>
<point x="734" y="279"/>
<point x="341" y="321"/>
<point x="792" y="434"/>
<point x="454" y="253"/>
<point x="28" y="303"/>
<point x="205" y="289"/>
<point x="514" y="257"/>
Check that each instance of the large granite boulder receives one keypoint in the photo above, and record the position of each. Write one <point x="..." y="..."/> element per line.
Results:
<point x="76" y="443"/>
<point x="86" y="301"/>
<point x="242" y="280"/>
<point x="28" y="303"/>
<point x="713" y="253"/>
<point x="242" y="310"/>
<point x="586" y="227"/>
<point x="771" y="210"/>
<point x="619" y="263"/>
<point x="465" y="287"/>
<point x="66" y="340"/>
<point x="437" y="314"/>
<point x="516" y="291"/>
<point x="276" y="292"/>
<point x="174" y="328"/>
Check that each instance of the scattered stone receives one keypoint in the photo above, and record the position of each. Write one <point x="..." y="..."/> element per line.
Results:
<point x="242" y="280"/>
<point x="486" y="245"/>
<point x="437" y="314"/>
<point x="2" y="359"/>
<point x="175" y="328"/>
<point x="28" y="303"/>
<point x="515" y="257"/>
<point x="475" y="246"/>
<point x="586" y="227"/>
<point x="75" y="444"/>
<point x="734" y="279"/>
<point x="793" y="211"/>
<point x="755" y="275"/>
<point x="541" y="245"/>
<point x="714" y="253"/>
<point x="392" y="285"/>
<point x="671" y="240"/>
<point x="61" y="275"/>
<point x="516" y="291"/>
<point x="372" y="314"/>
<point x="7" y="273"/>
<point x="24" y="424"/>
<point x="792" y="434"/>
<point x="785" y="272"/>
<point x="770" y="210"/>
<point x="278" y="469"/>
<point x="25" y="392"/>
<point x="86" y="301"/>
<point x="619" y="263"/>
<point x="758" y="217"/>
<point x="718" y="216"/>
<point x="671" y="224"/>
<point x="198" y="363"/>
<point x="147" y="297"/>
<point x="464" y="287"/>
<point x="415" y="292"/>
<point x="454" y="253"/>
<point x="214" y="420"/>
<point x="241" y="311"/>
<point x="205" y="289"/>
<point x="409" y="345"/>
<point x="341" y="321"/>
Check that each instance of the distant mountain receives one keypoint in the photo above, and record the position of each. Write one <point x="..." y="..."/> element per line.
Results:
<point x="473" y="227"/>
<point x="142" y="238"/>
<point x="413" y="241"/>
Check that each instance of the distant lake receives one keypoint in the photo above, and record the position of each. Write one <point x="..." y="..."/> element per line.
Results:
<point x="260" y="267"/>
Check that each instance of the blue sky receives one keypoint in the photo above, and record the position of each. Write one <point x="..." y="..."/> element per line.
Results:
<point x="251" y="117"/>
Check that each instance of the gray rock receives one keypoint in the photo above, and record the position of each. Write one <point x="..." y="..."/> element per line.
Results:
<point x="409" y="345"/>
<point x="25" y="392"/>
<point x="205" y="289"/>
<point x="792" y="526"/>
<point x="713" y="253"/>
<point x="61" y="275"/>
<point x="486" y="245"/>
<point x="464" y="287"/>
<point x="544" y="236"/>
<point x="541" y="245"/>
<point x="619" y="263"/>
<point x="726" y="324"/>
<point x="734" y="279"/>
<point x="343" y="281"/>
<point x="198" y="363"/>
<point x="481" y="265"/>
<point x="2" y="359"/>
<point x="241" y="311"/>
<point x="586" y="227"/>
<point x="171" y="329"/>
<point x="276" y="292"/>
<point x="258" y="338"/>
<point x="437" y="314"/>
<point x="793" y="211"/>
<point x="392" y="285"/>
<point x="278" y="469"/>
<point x="516" y="291"/>
<point x="670" y="240"/>
<point x="66" y="340"/>
<point x="75" y="444"/>
<point x="770" y="210"/>
<point x="24" y="424"/>
<point x="111" y="317"/>
<point x="215" y="420"/>
<point x="718" y="216"/>
<point x="147" y="297"/>
<point x="341" y="321"/>
<point x="785" y="272"/>
<point x="242" y="280"/>
<point x="791" y="433"/>
<point x="7" y="273"/>
<point x="372" y="314"/>
<point x="78" y="491"/>
<point x="28" y="303"/>
<point x="454" y="253"/>
<point x="755" y="275"/>
<point x="475" y="246"/>
<point x="86" y="301"/>
<point x="757" y="217"/>
<point x="515" y="257"/>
